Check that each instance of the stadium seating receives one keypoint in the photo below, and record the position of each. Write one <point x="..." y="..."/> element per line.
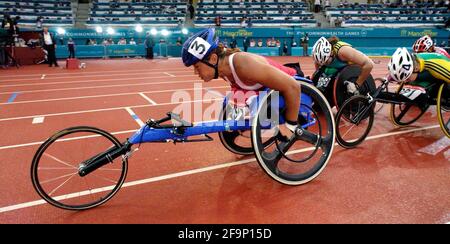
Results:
<point x="372" y="15"/>
<point x="243" y="13"/>
<point x="53" y="13"/>
<point x="157" y="13"/>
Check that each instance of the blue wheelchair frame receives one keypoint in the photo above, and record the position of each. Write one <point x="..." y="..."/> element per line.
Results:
<point x="152" y="131"/>
<point x="155" y="131"/>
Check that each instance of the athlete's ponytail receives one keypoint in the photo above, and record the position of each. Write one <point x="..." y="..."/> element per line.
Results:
<point x="222" y="51"/>
<point x="333" y="40"/>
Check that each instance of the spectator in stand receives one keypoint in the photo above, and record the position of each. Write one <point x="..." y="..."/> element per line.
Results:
<point x="327" y="4"/>
<point x="260" y="43"/>
<point x="243" y="24"/>
<point x="233" y="43"/>
<point x="71" y="47"/>
<point x="218" y="21"/>
<point x="191" y="10"/>
<point x="277" y="43"/>
<point x="48" y="42"/>
<point x="122" y="41"/>
<point x="316" y="6"/>
<point x="285" y="49"/>
<point x="246" y="43"/>
<point x="149" y="43"/>
<point x="293" y="43"/>
<point x="132" y="41"/>
<point x="225" y="42"/>
<point x="179" y="42"/>
<point x="305" y="43"/>
<point x="252" y="43"/>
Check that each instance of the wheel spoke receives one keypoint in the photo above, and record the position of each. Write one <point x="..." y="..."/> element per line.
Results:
<point x="59" y="177"/>
<point x="53" y="168"/>
<point x="403" y="111"/>
<point x="60" y="161"/>
<point x="62" y="184"/>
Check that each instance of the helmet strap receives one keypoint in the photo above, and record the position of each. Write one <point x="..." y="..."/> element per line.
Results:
<point x="214" y="66"/>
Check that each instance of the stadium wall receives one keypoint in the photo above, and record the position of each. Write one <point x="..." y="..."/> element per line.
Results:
<point x="372" y="41"/>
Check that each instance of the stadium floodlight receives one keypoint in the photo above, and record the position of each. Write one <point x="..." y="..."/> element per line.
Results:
<point x="153" y="31"/>
<point x="110" y="30"/>
<point x="139" y="28"/>
<point x="61" y="31"/>
<point x="99" y="29"/>
<point x="184" y="31"/>
<point x="165" y="32"/>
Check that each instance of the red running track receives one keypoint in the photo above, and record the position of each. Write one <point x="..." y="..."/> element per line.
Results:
<point x="390" y="178"/>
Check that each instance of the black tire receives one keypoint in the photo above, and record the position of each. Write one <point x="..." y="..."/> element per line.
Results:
<point x="355" y="111"/>
<point x="237" y="141"/>
<point x="398" y="112"/>
<point x="228" y="138"/>
<point x="57" y="201"/>
<point x="443" y="108"/>
<point x="270" y="161"/>
<point x="349" y="73"/>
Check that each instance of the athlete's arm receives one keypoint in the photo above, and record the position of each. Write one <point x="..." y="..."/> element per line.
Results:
<point x="350" y="54"/>
<point x="439" y="68"/>
<point x="249" y="69"/>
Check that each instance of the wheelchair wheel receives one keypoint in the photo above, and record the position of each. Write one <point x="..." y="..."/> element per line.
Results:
<point x="406" y="113"/>
<point x="354" y="121"/>
<point x="294" y="159"/>
<point x="443" y="108"/>
<point x="379" y="106"/>
<point x="238" y="141"/>
<point x="349" y="73"/>
<point x="54" y="169"/>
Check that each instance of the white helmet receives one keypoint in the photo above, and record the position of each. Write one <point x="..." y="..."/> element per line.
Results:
<point x="322" y="51"/>
<point x="401" y="65"/>
<point x="423" y="44"/>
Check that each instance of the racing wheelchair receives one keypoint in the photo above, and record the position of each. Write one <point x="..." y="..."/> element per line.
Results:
<point x="331" y="82"/>
<point x="355" y="118"/>
<point x="75" y="175"/>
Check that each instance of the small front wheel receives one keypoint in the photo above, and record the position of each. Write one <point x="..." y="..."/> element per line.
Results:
<point x="354" y="121"/>
<point x="406" y="113"/>
<point x="55" y="166"/>
<point x="443" y="108"/>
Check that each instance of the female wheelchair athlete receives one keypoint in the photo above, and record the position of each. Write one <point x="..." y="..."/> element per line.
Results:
<point x="77" y="176"/>
<point x="355" y="118"/>
<point x="331" y="82"/>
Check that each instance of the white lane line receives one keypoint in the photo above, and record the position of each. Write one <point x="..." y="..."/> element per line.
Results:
<point x="90" y="81"/>
<point x="129" y="131"/>
<point x="105" y="95"/>
<point x="210" y="90"/>
<point x="101" y="75"/>
<point x="108" y="109"/>
<point x="105" y="86"/>
<point x="180" y="174"/>
<point x="38" y="120"/>
<point x="169" y="74"/>
<point x="68" y="139"/>
<point x="72" y="76"/>
<point x="104" y="71"/>
<point x="135" y="117"/>
<point x="147" y="98"/>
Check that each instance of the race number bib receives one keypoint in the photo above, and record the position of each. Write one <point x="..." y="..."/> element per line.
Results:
<point x="199" y="47"/>
<point x="412" y="92"/>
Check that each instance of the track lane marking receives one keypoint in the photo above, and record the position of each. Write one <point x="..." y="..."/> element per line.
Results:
<point x="185" y="173"/>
